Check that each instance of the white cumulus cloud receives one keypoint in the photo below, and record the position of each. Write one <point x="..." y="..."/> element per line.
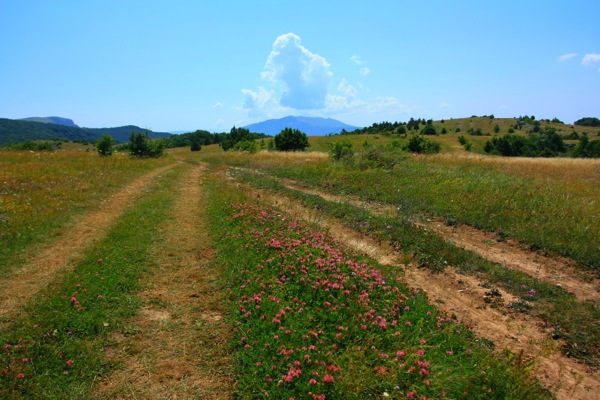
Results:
<point x="258" y="99"/>
<point x="566" y="57"/>
<point x="365" y="71"/>
<point x="357" y="60"/>
<point x="303" y="76"/>
<point x="591" y="59"/>
<point x="217" y="105"/>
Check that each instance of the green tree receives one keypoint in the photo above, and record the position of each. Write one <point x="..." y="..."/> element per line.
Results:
<point x="195" y="146"/>
<point x="420" y="144"/>
<point x="496" y="128"/>
<point x="291" y="140"/>
<point x="105" y="145"/>
<point x="428" y="130"/>
<point x="141" y="146"/>
<point x="588" y="121"/>
<point x="235" y="136"/>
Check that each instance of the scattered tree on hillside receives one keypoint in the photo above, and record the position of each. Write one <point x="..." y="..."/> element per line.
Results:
<point x="428" y="130"/>
<point x="587" y="148"/>
<point x="546" y="143"/>
<point x="235" y="136"/>
<point x="195" y="146"/>
<point x="105" y="145"/>
<point x="291" y="140"/>
<point x="420" y="144"/>
<point x="141" y="146"/>
<point x="588" y="121"/>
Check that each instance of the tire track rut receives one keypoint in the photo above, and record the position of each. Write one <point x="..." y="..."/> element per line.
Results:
<point x="64" y="253"/>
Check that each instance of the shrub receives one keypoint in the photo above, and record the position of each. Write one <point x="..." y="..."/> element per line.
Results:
<point x="141" y="146"/>
<point x="195" y="146"/>
<point x="105" y="145"/>
<point x="341" y="149"/>
<point x="235" y="136"/>
<point x="428" y="130"/>
<point x="588" y="121"/>
<point x="291" y="140"/>
<point x="246" y="145"/>
<point x="384" y="156"/>
<point x="420" y="144"/>
<point x="587" y="148"/>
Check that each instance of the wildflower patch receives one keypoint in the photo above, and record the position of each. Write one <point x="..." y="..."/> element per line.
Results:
<point x="315" y="320"/>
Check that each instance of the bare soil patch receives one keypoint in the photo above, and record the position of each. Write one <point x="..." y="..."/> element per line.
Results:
<point x="464" y="297"/>
<point x="68" y="248"/>
<point x="177" y="346"/>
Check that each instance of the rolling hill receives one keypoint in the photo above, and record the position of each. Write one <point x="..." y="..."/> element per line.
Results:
<point x="312" y="126"/>
<point x="18" y="131"/>
<point x="52" y="120"/>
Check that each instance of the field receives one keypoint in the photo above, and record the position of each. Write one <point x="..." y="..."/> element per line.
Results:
<point x="289" y="275"/>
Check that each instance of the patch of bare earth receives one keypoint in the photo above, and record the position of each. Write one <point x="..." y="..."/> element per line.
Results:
<point x="177" y="346"/>
<point x="463" y="297"/>
<point x="65" y="252"/>
<point x="559" y="271"/>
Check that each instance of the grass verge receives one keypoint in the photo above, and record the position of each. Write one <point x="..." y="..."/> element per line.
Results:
<point x="315" y="320"/>
<point x="572" y="321"/>
<point x="42" y="191"/>
<point x="54" y="349"/>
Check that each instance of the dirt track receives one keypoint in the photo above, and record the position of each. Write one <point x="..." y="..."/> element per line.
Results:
<point x="65" y="252"/>
<point x="179" y="346"/>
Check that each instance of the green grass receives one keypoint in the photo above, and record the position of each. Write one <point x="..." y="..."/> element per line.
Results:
<point x="41" y="192"/>
<point x="573" y="321"/>
<point x="313" y="318"/>
<point x="58" y="340"/>
<point x="548" y="204"/>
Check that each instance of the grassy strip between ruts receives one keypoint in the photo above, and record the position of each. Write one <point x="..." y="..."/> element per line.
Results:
<point x="315" y="320"/>
<point x="573" y="321"/>
<point x="558" y="214"/>
<point x="54" y="349"/>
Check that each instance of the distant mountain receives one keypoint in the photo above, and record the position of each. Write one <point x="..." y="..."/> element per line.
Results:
<point x="18" y="131"/>
<point x="312" y="126"/>
<point x="52" y="120"/>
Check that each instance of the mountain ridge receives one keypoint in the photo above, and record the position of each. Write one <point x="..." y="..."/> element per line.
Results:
<point x="18" y="131"/>
<point x="312" y="126"/>
<point x="52" y="120"/>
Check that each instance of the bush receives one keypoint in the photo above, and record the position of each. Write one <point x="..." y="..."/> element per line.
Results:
<point x="248" y="146"/>
<point x="195" y="146"/>
<point x="235" y="136"/>
<point x="428" y="130"/>
<point x="141" y="146"/>
<point x="341" y="149"/>
<point x="587" y="148"/>
<point x="588" y="121"/>
<point x="546" y="143"/>
<point x="384" y="156"/>
<point x="105" y="145"/>
<point x="420" y="144"/>
<point x="291" y="140"/>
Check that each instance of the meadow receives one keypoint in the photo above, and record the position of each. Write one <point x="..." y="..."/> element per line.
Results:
<point x="307" y="315"/>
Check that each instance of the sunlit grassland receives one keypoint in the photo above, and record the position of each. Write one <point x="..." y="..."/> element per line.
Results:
<point x="550" y="204"/>
<point x="316" y="319"/>
<point x="56" y="346"/>
<point x="41" y="191"/>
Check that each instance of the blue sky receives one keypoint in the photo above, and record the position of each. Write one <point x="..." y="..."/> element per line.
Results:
<point x="186" y="65"/>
